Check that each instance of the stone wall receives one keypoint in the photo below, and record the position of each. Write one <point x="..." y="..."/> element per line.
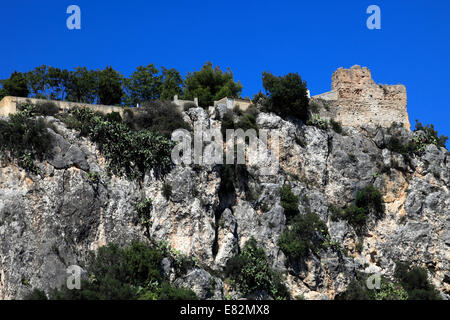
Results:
<point x="8" y="105"/>
<point x="181" y="103"/>
<point x="355" y="99"/>
<point x="230" y="103"/>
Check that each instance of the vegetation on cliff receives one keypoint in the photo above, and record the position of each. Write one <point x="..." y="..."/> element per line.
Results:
<point x="250" y="273"/>
<point x="129" y="152"/>
<point x="25" y="137"/>
<point x="409" y="283"/>
<point x="129" y="273"/>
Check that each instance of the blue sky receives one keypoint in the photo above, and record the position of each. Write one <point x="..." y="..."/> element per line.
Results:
<point x="312" y="38"/>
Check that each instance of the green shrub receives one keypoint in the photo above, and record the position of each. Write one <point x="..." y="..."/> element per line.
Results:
<point x="390" y="291"/>
<point x="126" y="273"/>
<point x="227" y="123"/>
<point x="306" y="233"/>
<point x="168" y="292"/>
<point x="160" y="117"/>
<point x="428" y="135"/>
<point x="431" y="135"/>
<point x="144" y="210"/>
<point x="369" y="201"/>
<point x="167" y="191"/>
<point x="246" y="122"/>
<point x="25" y="137"/>
<point x="410" y="283"/>
<point x="113" y="117"/>
<point x="249" y="271"/>
<point x="336" y="126"/>
<point x="317" y="122"/>
<point x="247" y="119"/>
<point x="46" y="108"/>
<point x="36" y="294"/>
<point x="415" y="281"/>
<point x="129" y="153"/>
<point x="358" y="290"/>
<point x="289" y="201"/>
<point x="394" y="144"/>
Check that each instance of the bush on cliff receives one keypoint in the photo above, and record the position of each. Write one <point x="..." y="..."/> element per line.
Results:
<point x="369" y="201"/>
<point x="415" y="281"/>
<point x="409" y="283"/>
<point x="133" y="272"/>
<point x="129" y="153"/>
<point x="306" y="233"/>
<point x="159" y="117"/>
<point x="289" y="201"/>
<point x="358" y="290"/>
<point x="250" y="272"/>
<point x="431" y="136"/>
<point x="25" y="137"/>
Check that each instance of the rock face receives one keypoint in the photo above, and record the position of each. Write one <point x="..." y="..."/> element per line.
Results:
<point x="355" y="99"/>
<point x="52" y="220"/>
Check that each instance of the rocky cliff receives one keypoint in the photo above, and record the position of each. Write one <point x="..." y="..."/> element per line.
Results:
<point x="52" y="220"/>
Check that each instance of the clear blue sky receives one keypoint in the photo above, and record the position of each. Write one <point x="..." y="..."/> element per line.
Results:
<point x="312" y="38"/>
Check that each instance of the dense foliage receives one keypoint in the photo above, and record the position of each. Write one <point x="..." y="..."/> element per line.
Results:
<point x="129" y="153"/>
<point x="305" y="234"/>
<point x="109" y="87"/>
<point x="143" y="85"/>
<point x="289" y="201"/>
<point x="369" y="201"/>
<point x="250" y="272"/>
<point x="133" y="272"/>
<point x="25" y="137"/>
<point x="106" y="86"/>
<point x="110" y="90"/>
<point x="144" y="210"/>
<point x="415" y="281"/>
<point x="161" y="117"/>
<point x="409" y="283"/>
<point x="16" y="85"/>
<point x="287" y="95"/>
<point x="430" y="135"/>
<point x="211" y="84"/>
<point x="358" y="290"/>
<point x="238" y="119"/>
<point x="423" y="136"/>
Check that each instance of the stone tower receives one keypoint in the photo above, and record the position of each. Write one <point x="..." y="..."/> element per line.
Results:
<point x="355" y="99"/>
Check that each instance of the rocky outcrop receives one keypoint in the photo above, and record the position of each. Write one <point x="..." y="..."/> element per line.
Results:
<point x="52" y="220"/>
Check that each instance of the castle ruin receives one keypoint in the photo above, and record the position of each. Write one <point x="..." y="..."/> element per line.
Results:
<point x="355" y="99"/>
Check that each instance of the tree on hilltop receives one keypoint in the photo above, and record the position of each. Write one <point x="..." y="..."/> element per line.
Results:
<point x="287" y="95"/>
<point x="210" y="84"/>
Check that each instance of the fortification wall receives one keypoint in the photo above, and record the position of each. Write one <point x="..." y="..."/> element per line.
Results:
<point x="8" y="105"/>
<point x="232" y="102"/>
<point x="356" y="99"/>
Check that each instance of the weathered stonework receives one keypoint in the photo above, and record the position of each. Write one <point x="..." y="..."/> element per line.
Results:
<point x="355" y="100"/>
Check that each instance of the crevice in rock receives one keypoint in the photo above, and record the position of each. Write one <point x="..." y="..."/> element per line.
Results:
<point x="329" y="150"/>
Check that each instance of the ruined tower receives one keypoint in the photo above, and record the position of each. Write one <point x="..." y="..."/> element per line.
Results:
<point x="355" y="99"/>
